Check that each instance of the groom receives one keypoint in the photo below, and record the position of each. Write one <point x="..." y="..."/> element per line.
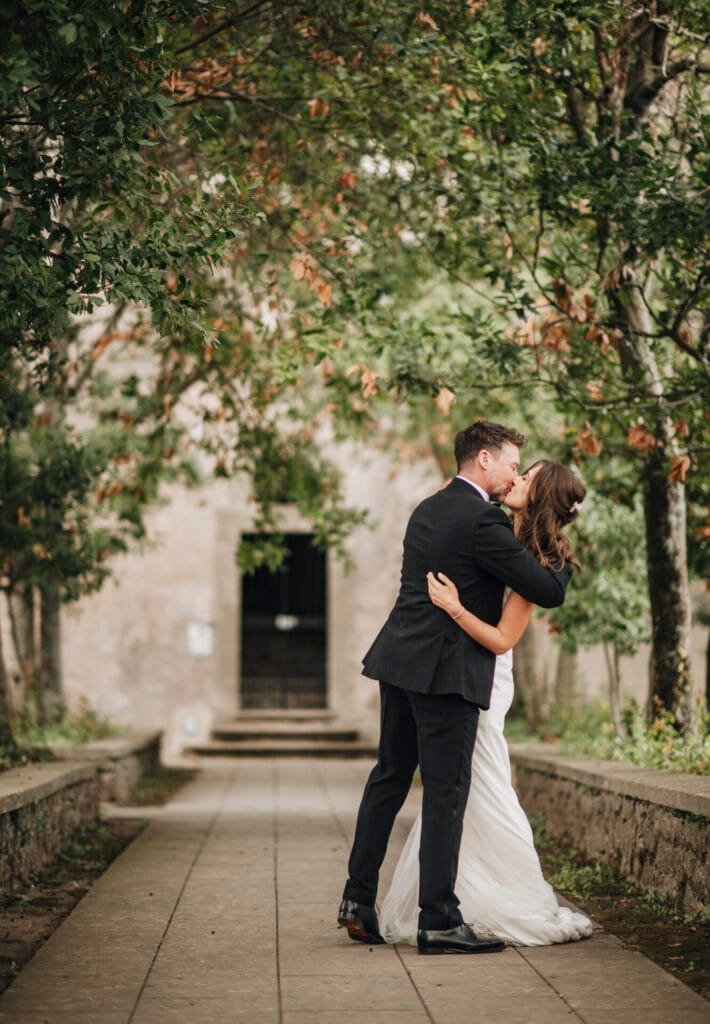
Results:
<point x="434" y="680"/>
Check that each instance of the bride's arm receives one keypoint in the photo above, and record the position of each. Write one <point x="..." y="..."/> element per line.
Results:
<point x="497" y="639"/>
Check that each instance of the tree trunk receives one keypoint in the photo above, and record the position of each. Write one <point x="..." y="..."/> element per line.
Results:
<point x="22" y="621"/>
<point x="707" y="674"/>
<point x="566" y="678"/>
<point x="665" y="513"/>
<point x="529" y="679"/>
<point x="51" y="699"/>
<point x="611" y="656"/>
<point x="6" y="710"/>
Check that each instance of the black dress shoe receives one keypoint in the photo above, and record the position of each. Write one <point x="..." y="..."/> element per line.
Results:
<point x="361" y="922"/>
<point x="455" y="940"/>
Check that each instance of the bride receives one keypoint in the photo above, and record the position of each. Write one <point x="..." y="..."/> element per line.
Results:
<point x="500" y="883"/>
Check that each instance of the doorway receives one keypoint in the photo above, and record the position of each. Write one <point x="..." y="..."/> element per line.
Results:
<point x="283" y="627"/>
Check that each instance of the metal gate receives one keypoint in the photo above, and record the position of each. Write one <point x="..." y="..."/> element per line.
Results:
<point x="283" y="663"/>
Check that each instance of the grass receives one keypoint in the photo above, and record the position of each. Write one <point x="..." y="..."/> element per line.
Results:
<point x="16" y="753"/>
<point x="589" y="730"/>
<point x="157" y="786"/>
<point x="31" y="741"/>
<point x="74" y="727"/>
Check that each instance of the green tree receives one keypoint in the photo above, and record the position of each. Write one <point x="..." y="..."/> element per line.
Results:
<point x="87" y="218"/>
<point x="552" y="159"/>
<point x="608" y="601"/>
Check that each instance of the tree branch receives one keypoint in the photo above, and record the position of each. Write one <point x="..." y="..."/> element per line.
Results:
<point x="223" y="25"/>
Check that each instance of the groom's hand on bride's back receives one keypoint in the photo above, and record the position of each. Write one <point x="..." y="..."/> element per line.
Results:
<point x="497" y="550"/>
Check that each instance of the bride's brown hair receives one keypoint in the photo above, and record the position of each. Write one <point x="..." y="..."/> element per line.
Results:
<point x="553" y="503"/>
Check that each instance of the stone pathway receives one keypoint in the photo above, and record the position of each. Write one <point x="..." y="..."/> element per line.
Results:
<point x="223" y="911"/>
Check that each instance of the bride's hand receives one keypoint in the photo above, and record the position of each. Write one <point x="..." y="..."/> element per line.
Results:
<point x="444" y="594"/>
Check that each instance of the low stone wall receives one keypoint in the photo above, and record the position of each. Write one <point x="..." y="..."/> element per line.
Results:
<point x="653" y="826"/>
<point x="121" y="761"/>
<point x="41" y="806"/>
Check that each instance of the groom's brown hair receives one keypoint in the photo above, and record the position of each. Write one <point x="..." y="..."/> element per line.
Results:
<point x="484" y="434"/>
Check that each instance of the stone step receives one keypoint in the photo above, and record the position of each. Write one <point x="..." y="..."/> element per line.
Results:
<point x="284" y="715"/>
<point x="283" y="731"/>
<point x="284" y="748"/>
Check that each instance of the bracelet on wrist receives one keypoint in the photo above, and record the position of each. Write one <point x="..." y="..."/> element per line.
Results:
<point x="458" y="614"/>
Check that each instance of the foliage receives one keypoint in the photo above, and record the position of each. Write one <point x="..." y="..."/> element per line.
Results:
<point x="81" y="726"/>
<point x="17" y="753"/>
<point x="89" y="215"/>
<point x="520" y="223"/>
<point x="573" y="874"/>
<point x="589" y="730"/>
<point x="608" y="598"/>
<point x="156" y="787"/>
<point x="659" y="744"/>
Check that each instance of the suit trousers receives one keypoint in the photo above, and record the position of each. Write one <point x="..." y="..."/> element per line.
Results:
<point x="438" y="733"/>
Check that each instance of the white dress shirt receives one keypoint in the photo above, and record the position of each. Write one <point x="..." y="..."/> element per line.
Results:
<point x="484" y="494"/>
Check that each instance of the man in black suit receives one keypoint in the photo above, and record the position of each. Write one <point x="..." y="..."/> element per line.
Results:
<point x="434" y="679"/>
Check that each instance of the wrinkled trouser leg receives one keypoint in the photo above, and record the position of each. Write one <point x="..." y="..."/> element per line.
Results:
<point x="446" y="730"/>
<point x="385" y="792"/>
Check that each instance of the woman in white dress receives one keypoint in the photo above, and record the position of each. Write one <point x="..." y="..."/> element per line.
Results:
<point x="500" y="883"/>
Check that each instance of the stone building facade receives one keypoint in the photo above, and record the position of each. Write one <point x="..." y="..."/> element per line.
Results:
<point x="162" y="644"/>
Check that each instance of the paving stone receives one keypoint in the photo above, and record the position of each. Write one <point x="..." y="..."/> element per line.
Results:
<point x="176" y="980"/>
<point x="215" y="1010"/>
<point x="682" y="1014"/>
<point x="66" y="1017"/>
<point x="182" y="928"/>
<point x="318" y="992"/>
<point x="356" y="1017"/>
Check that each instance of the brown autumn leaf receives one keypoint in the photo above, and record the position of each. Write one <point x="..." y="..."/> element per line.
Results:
<point x="681" y="428"/>
<point x="22" y="518"/>
<point x="318" y="108"/>
<point x="453" y="93"/>
<point x="640" y="439"/>
<point x="594" y="390"/>
<point x="680" y="464"/>
<point x="101" y="344"/>
<point x="555" y="334"/>
<point x="303" y="266"/>
<point x="347" y="180"/>
<point x="426" y="21"/>
<point x="589" y="443"/>
<point x="563" y="293"/>
<point x="444" y="400"/>
<point x="325" y="293"/>
<point x="474" y="7"/>
<point x="599" y="336"/>
<point x="539" y="45"/>
<point x="368" y="382"/>
<point x="577" y="313"/>
<point x="327" y="368"/>
<point x="368" y="379"/>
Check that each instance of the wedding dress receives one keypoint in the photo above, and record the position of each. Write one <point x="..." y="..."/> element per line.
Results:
<point x="500" y="883"/>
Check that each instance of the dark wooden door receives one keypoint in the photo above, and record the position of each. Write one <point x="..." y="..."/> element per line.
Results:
<point x="284" y="631"/>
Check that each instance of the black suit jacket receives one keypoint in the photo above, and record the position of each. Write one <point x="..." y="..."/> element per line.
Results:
<point x="457" y="532"/>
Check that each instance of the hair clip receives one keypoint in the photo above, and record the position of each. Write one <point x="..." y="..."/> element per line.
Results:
<point x="575" y="507"/>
